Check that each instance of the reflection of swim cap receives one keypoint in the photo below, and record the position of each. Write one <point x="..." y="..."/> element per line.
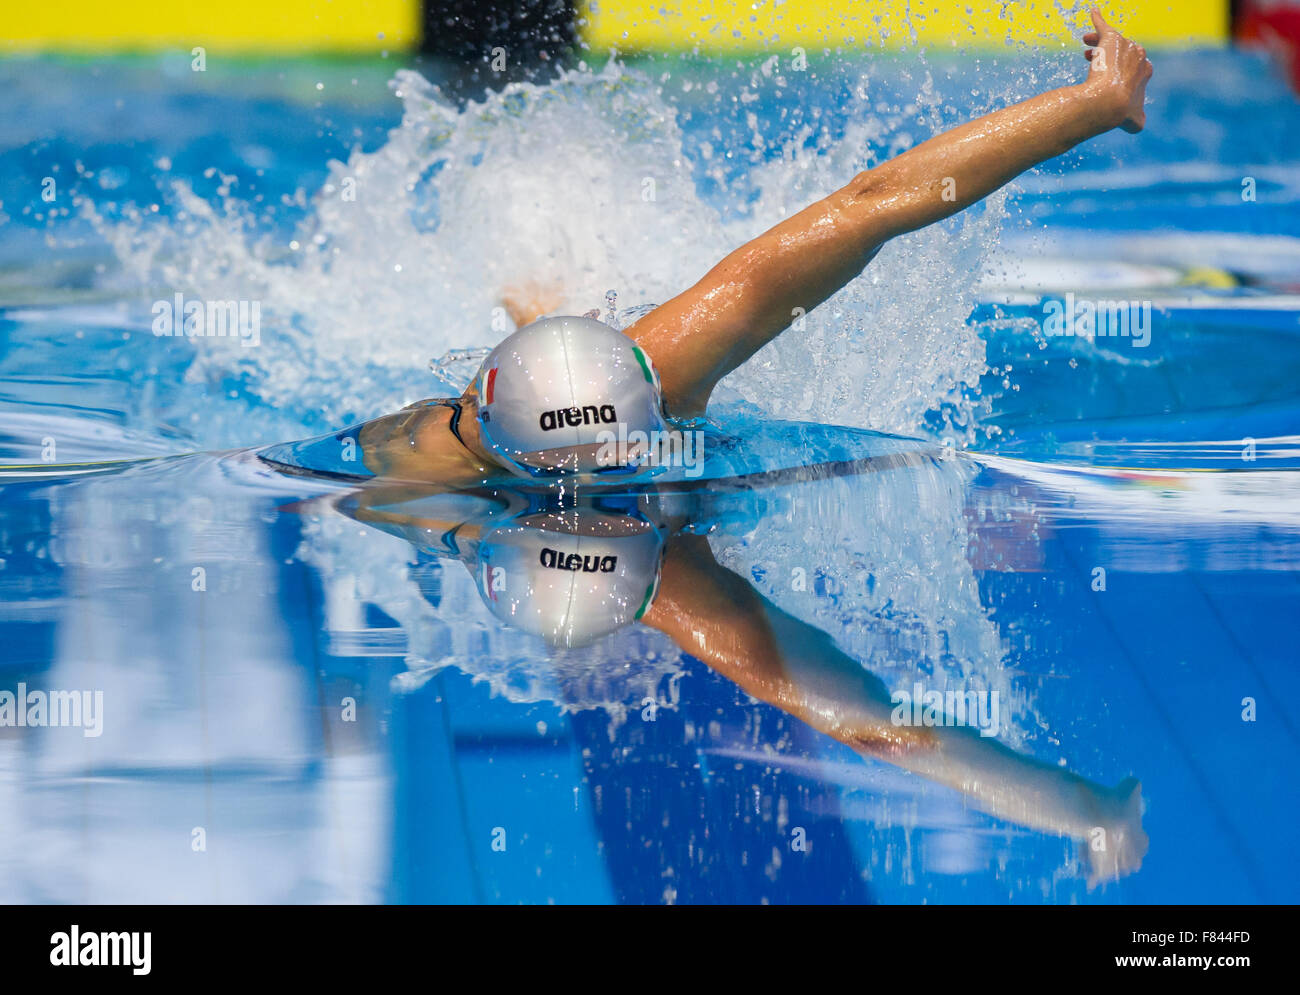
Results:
<point x="549" y="391"/>
<point x="570" y="576"/>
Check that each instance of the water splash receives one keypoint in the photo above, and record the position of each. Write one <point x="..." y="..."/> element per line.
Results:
<point x="899" y="595"/>
<point x="586" y="183"/>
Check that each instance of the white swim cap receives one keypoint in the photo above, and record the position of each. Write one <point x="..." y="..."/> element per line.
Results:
<point x="553" y="395"/>
<point x="570" y="576"/>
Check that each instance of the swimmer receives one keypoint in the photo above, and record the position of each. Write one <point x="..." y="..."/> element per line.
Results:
<point x="545" y="394"/>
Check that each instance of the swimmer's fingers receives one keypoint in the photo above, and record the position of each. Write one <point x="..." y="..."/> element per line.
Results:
<point x="1091" y="40"/>
<point x="1100" y="24"/>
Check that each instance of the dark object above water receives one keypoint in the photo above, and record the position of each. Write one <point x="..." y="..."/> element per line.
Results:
<point x="523" y="32"/>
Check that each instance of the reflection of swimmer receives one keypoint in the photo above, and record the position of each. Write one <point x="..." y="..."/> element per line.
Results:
<point x="567" y="574"/>
<point x="545" y="395"/>
<point x="575" y="573"/>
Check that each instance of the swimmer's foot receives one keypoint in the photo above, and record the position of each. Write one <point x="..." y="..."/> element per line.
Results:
<point x="1116" y="843"/>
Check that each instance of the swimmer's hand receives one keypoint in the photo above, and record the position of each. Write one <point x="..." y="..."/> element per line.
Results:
<point x="1118" y="76"/>
<point x="526" y="302"/>
<point x="1116" y="843"/>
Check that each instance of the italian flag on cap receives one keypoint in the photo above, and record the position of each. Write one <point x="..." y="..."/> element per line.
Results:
<point x="646" y="368"/>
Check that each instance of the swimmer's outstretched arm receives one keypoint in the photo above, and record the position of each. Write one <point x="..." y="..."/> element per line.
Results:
<point x="716" y="615"/>
<point x="701" y="335"/>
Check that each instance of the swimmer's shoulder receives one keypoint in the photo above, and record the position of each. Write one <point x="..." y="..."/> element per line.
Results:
<point x="404" y="419"/>
<point x="434" y="402"/>
<point x="421" y="442"/>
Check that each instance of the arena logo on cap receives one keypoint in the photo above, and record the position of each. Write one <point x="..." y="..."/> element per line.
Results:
<point x="575" y="562"/>
<point x="588" y="414"/>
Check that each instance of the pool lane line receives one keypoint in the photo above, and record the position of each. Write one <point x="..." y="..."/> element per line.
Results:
<point x="29" y="471"/>
<point x="1174" y="739"/>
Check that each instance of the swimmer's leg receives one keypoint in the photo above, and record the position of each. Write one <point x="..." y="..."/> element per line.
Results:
<point x="745" y="301"/>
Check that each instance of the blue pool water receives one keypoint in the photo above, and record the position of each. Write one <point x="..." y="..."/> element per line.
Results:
<point x="303" y="700"/>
